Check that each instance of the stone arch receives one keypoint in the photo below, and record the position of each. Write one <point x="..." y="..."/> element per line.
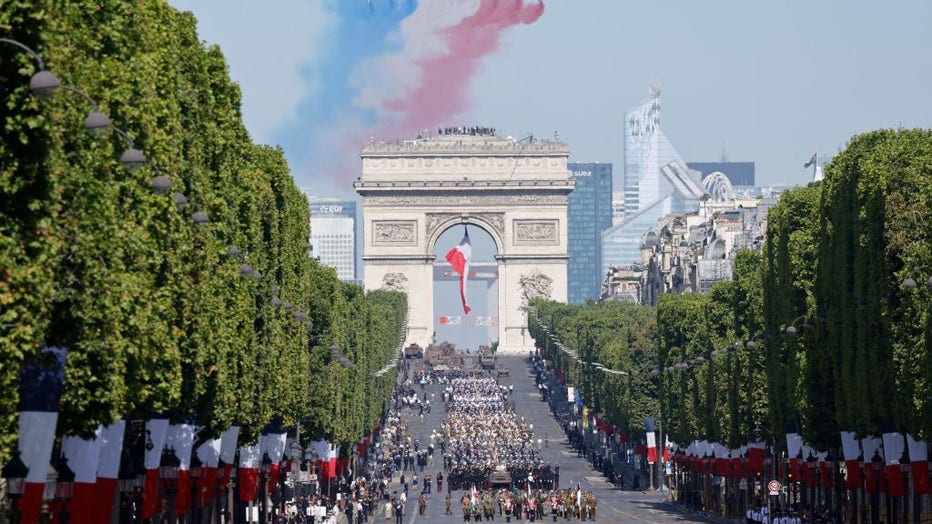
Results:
<point x="488" y="222"/>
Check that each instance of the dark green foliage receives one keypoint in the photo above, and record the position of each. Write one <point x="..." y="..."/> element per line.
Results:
<point x="621" y="337"/>
<point x="156" y="316"/>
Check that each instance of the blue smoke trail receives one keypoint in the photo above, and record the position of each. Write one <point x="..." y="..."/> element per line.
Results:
<point x="361" y="30"/>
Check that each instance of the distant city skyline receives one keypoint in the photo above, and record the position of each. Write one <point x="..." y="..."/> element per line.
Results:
<point x="769" y="83"/>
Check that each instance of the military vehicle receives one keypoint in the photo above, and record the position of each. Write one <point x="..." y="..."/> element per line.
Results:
<point x="486" y="357"/>
<point x="414" y="351"/>
<point x="443" y="354"/>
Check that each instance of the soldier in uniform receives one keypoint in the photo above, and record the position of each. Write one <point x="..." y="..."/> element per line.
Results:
<point x="509" y="505"/>
<point x="467" y="510"/>
<point x="488" y="506"/>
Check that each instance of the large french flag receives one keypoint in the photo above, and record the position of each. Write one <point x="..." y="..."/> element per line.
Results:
<point x="83" y="456"/>
<point x="40" y="389"/>
<point x="459" y="257"/>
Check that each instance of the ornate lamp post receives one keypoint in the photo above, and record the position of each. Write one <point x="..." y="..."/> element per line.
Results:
<point x="297" y="454"/>
<point x="876" y="466"/>
<point x="48" y="495"/>
<point x="264" y="467"/>
<point x="14" y="473"/>
<point x="168" y="476"/>
<point x="64" y="488"/>
<point x="812" y="464"/>
<point x="127" y="483"/>
<point x="197" y="502"/>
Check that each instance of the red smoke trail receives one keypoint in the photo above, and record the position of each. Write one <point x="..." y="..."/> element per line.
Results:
<point x="444" y="81"/>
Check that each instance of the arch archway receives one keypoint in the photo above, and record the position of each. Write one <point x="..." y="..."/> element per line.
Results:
<point x="451" y="324"/>
<point x="413" y="192"/>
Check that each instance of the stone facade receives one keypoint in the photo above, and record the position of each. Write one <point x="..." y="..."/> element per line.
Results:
<point x="412" y="191"/>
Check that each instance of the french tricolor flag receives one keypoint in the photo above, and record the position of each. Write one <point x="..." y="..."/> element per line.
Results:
<point x="651" y="441"/>
<point x="180" y="437"/>
<point x="83" y="456"/>
<point x="273" y="443"/>
<point x="156" y="430"/>
<point x="108" y="470"/>
<point x="39" y="397"/>
<point x="851" y="449"/>
<point x="249" y="458"/>
<point x="209" y="455"/>
<point x="459" y="257"/>
<point x="228" y="443"/>
<point x="919" y="462"/>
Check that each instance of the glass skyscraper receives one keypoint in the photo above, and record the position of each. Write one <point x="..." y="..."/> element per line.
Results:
<point x="588" y="214"/>
<point x="333" y="235"/>
<point x="656" y="183"/>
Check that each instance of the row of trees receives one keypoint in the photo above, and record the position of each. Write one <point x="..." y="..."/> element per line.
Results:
<point x="156" y="317"/>
<point x="817" y="332"/>
<point x="621" y="337"/>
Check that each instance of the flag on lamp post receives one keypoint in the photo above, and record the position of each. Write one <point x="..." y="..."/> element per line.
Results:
<point x="459" y="258"/>
<point x="651" y="441"/>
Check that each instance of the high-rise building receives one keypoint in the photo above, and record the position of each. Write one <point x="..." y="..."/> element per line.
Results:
<point x="333" y="234"/>
<point x="656" y="183"/>
<point x="589" y="212"/>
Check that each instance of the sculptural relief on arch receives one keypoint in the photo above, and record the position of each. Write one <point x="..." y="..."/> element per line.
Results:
<point x="414" y="190"/>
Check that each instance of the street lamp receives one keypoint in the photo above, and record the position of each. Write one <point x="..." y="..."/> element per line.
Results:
<point x="132" y="158"/>
<point x="812" y="465"/>
<point x="64" y="489"/>
<point x="44" y="83"/>
<point x="127" y="483"/>
<point x="910" y="283"/>
<point x="877" y="469"/>
<point x="14" y="473"/>
<point x="48" y="494"/>
<point x="168" y="475"/>
<point x="264" y="467"/>
<point x="196" y="470"/>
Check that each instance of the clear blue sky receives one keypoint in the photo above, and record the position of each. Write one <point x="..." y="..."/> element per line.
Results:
<point x="771" y="81"/>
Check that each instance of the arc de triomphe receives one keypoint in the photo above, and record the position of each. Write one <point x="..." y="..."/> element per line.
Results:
<point x="414" y="190"/>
